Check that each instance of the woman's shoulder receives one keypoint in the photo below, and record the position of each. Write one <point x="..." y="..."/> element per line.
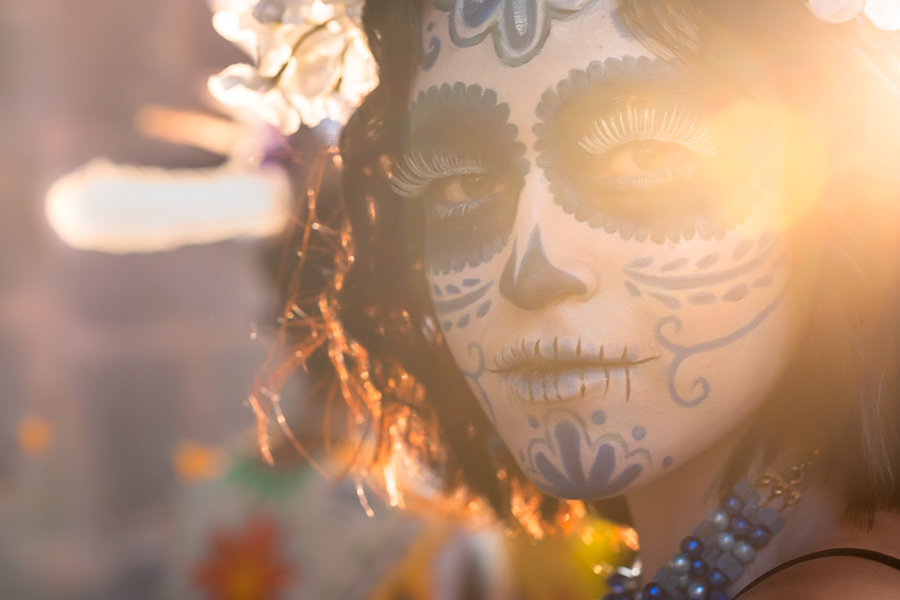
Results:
<point x="858" y="564"/>
<point x="832" y="577"/>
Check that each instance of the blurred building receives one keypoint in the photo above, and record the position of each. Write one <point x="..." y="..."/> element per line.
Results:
<point x="109" y="364"/>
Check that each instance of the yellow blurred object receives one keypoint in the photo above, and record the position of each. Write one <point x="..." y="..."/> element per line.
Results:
<point x="573" y="566"/>
<point x="569" y="566"/>
<point x="34" y="435"/>
<point x="195" y="462"/>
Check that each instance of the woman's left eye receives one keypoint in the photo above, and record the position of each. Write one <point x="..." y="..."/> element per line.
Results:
<point x="645" y="166"/>
<point x="641" y="158"/>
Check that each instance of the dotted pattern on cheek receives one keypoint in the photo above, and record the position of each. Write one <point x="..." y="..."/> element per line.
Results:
<point x="580" y="84"/>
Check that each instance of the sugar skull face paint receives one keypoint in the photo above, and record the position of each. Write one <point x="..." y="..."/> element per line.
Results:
<point x="605" y="247"/>
<point x="464" y="161"/>
<point x="518" y="28"/>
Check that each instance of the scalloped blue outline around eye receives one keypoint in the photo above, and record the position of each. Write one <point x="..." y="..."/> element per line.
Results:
<point x="712" y="224"/>
<point x="434" y="103"/>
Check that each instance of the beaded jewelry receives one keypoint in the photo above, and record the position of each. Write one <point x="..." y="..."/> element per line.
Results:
<point x="718" y="550"/>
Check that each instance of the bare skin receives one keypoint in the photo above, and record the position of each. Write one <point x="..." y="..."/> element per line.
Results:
<point x="668" y="507"/>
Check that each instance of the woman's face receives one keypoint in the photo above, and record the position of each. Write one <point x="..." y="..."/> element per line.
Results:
<point x="604" y="239"/>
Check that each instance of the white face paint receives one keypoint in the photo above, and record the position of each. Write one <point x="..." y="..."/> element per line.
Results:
<point x="604" y="246"/>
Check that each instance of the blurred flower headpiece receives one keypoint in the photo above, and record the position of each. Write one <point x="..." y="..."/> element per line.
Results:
<point x="884" y="14"/>
<point x="312" y="60"/>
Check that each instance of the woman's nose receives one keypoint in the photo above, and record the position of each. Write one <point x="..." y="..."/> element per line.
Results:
<point x="534" y="282"/>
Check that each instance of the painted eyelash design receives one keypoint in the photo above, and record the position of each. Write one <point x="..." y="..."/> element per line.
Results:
<point x="665" y="205"/>
<point x="419" y="170"/>
<point x="632" y="124"/>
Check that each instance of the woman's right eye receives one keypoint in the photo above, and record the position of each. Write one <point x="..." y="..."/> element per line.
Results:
<point x="645" y="166"/>
<point x="470" y="195"/>
<point x="459" y="189"/>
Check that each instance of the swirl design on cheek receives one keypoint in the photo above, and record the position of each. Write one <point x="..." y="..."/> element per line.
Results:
<point x="626" y="148"/>
<point x="464" y="163"/>
<point x="700" y="385"/>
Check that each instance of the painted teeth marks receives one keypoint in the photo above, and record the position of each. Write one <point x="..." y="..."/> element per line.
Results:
<point x="542" y="371"/>
<point x="640" y="100"/>
<point x="460" y="134"/>
<point x="567" y="462"/>
<point x="669" y="281"/>
<point x="518" y="28"/>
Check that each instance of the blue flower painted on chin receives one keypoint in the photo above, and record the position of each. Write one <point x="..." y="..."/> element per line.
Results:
<point x="568" y="464"/>
<point x="519" y="28"/>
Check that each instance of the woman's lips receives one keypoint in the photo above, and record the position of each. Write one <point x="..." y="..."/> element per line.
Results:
<point x="558" y="371"/>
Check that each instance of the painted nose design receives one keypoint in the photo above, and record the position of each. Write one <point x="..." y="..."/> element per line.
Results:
<point x="536" y="282"/>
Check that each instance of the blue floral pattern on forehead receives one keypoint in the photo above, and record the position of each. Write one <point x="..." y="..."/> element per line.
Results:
<point x="519" y="28"/>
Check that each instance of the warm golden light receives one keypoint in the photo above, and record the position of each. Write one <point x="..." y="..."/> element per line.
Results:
<point x="186" y="128"/>
<point x="196" y="462"/>
<point x="34" y="435"/>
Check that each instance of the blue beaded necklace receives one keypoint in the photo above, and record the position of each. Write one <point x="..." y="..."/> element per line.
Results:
<point x="720" y="548"/>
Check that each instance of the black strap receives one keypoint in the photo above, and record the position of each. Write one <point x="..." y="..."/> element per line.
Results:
<point x="885" y="559"/>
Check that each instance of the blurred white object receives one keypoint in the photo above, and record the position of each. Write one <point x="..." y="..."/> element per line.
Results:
<point x="836" y="11"/>
<point x="121" y="208"/>
<point x="884" y="14"/>
<point x="312" y="60"/>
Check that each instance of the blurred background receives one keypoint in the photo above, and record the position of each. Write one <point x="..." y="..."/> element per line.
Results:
<point x="139" y="235"/>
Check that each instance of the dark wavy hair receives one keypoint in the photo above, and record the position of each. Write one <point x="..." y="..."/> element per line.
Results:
<point x="839" y="395"/>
